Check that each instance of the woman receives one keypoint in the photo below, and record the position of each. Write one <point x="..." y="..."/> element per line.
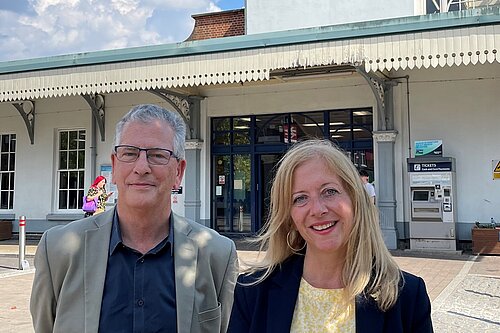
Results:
<point x="98" y="190"/>
<point x="326" y="268"/>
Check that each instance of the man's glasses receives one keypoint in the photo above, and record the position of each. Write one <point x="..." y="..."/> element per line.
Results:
<point x="155" y="156"/>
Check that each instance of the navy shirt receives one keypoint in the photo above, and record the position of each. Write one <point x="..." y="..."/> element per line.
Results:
<point x="139" y="290"/>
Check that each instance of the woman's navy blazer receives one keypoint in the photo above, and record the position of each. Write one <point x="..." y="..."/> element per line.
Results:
<point x="269" y="305"/>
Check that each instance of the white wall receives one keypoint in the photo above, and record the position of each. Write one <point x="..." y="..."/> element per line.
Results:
<point x="278" y="15"/>
<point x="35" y="164"/>
<point x="458" y="105"/>
<point x="293" y="96"/>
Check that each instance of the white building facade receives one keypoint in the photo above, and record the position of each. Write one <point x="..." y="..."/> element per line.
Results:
<point x="374" y="88"/>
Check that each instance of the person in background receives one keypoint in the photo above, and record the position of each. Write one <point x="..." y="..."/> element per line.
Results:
<point x="326" y="267"/>
<point x="370" y="189"/>
<point x="98" y="190"/>
<point x="138" y="267"/>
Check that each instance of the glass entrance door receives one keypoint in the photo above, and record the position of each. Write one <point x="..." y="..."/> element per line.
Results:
<point x="232" y="204"/>
<point x="242" y="205"/>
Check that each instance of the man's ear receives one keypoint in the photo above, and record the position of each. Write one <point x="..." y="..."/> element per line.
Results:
<point x="181" y="168"/>
<point x="113" y="162"/>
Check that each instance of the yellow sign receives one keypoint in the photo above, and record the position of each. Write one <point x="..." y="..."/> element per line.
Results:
<point x="496" y="169"/>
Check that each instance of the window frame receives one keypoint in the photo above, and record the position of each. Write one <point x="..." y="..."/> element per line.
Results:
<point x="10" y="170"/>
<point x="73" y="201"/>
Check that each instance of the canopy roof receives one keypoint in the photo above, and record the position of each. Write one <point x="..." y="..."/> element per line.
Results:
<point x="445" y="39"/>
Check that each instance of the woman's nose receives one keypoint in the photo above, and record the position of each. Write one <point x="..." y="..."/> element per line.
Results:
<point x="318" y="206"/>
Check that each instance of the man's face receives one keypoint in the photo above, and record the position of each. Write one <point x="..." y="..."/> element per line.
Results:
<point x="140" y="184"/>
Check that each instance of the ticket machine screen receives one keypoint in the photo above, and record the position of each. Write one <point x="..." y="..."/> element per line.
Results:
<point x="425" y="205"/>
<point x="420" y="195"/>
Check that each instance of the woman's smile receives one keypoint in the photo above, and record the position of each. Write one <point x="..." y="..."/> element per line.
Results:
<point x="328" y="226"/>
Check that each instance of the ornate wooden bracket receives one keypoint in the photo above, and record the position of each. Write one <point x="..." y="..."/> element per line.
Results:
<point x="377" y="86"/>
<point x="96" y="103"/>
<point x="27" y="111"/>
<point x="183" y="105"/>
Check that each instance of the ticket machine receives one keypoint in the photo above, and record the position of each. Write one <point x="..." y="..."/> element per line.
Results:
<point x="432" y="203"/>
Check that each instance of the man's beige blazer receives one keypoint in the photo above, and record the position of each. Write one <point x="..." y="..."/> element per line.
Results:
<point x="71" y="265"/>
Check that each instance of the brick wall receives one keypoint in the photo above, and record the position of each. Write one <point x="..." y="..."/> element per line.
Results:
<point x="218" y="24"/>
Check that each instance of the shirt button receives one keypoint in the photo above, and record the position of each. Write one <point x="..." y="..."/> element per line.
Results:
<point x="140" y="302"/>
<point x="142" y="260"/>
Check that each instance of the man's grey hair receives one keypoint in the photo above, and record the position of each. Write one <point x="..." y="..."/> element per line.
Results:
<point x="147" y="113"/>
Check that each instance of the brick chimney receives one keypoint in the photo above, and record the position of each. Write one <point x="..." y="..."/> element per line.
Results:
<point x="218" y="24"/>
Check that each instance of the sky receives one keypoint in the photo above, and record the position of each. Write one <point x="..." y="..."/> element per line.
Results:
<point x="43" y="28"/>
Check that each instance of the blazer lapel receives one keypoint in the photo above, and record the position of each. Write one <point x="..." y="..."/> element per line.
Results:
<point x="283" y="295"/>
<point x="368" y="316"/>
<point x="185" y="260"/>
<point x="95" y="263"/>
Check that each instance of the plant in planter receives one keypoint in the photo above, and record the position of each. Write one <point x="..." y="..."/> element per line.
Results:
<point x="491" y="225"/>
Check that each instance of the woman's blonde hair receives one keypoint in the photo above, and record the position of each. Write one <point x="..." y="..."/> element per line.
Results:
<point x="369" y="267"/>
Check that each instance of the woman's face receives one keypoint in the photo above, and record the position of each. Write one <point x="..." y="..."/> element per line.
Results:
<point x="102" y="183"/>
<point x="321" y="208"/>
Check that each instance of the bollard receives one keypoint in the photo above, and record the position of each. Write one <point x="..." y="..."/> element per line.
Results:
<point x="23" y="263"/>
<point x="240" y="224"/>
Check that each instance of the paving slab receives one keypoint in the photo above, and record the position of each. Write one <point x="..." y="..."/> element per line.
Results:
<point x="464" y="289"/>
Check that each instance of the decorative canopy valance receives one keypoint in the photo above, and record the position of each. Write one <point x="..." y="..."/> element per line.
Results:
<point x="444" y="47"/>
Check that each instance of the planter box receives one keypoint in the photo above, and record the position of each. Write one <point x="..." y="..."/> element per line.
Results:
<point x="5" y="230"/>
<point x="486" y="240"/>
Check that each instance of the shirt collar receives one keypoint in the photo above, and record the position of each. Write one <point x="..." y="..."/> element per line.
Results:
<point x="116" y="235"/>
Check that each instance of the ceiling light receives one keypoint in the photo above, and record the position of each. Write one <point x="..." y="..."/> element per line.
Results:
<point x="346" y="130"/>
<point x="338" y="123"/>
<point x="362" y="113"/>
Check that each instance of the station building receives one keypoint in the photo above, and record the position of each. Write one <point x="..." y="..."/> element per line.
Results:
<point x="376" y="77"/>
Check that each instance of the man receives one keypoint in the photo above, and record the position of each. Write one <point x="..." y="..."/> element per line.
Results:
<point x="370" y="189"/>
<point x="138" y="267"/>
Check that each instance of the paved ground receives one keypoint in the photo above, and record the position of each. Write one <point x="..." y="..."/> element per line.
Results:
<point x="464" y="289"/>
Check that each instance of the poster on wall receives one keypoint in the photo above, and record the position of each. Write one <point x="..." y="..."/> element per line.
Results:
<point x="110" y="187"/>
<point x="293" y="133"/>
<point x="496" y="169"/>
<point x="429" y="148"/>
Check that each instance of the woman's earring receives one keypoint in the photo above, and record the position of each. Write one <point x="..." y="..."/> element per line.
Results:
<point x="289" y="243"/>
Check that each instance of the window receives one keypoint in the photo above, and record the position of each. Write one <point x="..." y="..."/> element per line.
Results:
<point x="7" y="170"/>
<point x="437" y="6"/>
<point x="71" y="169"/>
<point x="352" y="130"/>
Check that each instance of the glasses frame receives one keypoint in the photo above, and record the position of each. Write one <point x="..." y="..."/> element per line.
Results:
<point x="146" y="151"/>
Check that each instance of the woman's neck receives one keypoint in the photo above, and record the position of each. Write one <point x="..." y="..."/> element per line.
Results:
<point x="324" y="270"/>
